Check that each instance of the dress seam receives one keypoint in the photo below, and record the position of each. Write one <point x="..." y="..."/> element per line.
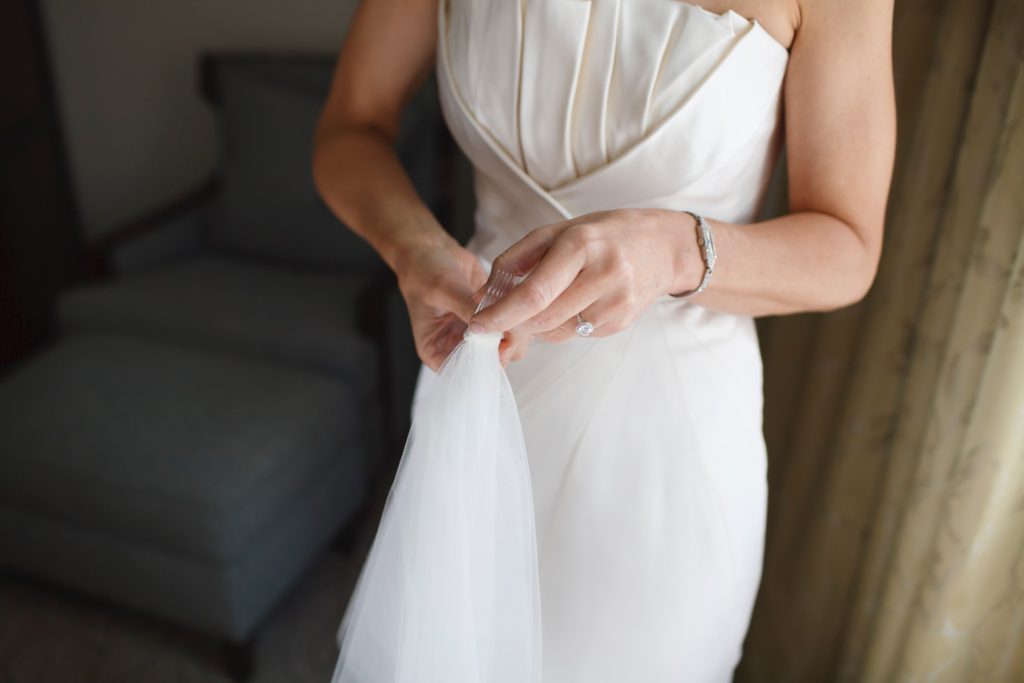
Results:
<point x="730" y="540"/>
<point x="574" y="454"/>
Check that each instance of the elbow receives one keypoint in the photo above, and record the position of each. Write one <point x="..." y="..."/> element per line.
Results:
<point x="862" y="274"/>
<point x="326" y="158"/>
<point x="319" y="156"/>
<point x="871" y="258"/>
<point x="858" y="270"/>
<point x="334" y="141"/>
<point x="325" y="153"/>
<point x="863" y="283"/>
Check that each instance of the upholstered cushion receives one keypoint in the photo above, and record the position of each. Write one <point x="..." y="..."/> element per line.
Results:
<point x="181" y="451"/>
<point x="269" y="204"/>
<point x="226" y="599"/>
<point x="287" y="315"/>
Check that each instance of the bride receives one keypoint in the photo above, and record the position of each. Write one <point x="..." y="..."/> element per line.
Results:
<point x="622" y="150"/>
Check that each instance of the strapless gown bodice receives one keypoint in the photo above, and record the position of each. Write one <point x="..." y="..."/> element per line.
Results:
<point x="646" y="451"/>
<point x="572" y="106"/>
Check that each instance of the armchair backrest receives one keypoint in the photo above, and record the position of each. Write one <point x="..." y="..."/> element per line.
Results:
<point x="268" y="206"/>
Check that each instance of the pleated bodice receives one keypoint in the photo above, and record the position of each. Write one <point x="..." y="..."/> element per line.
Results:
<point x="572" y="106"/>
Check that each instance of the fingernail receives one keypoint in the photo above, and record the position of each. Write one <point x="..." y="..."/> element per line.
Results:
<point x="475" y="327"/>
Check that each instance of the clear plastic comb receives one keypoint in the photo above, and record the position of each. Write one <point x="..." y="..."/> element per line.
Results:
<point x="499" y="284"/>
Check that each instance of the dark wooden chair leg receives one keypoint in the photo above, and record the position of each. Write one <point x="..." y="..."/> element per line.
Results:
<point x="238" y="659"/>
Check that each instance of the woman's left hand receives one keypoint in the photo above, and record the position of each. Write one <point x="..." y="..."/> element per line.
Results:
<point x="608" y="266"/>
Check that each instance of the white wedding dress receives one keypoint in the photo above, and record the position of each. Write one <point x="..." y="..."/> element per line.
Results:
<point x="646" y="449"/>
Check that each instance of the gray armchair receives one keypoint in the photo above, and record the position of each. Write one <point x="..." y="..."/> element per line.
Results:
<point x="213" y="410"/>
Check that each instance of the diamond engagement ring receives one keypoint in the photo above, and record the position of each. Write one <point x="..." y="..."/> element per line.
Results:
<point x="583" y="327"/>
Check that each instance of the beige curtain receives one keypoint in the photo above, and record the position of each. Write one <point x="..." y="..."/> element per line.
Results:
<point x="896" y="427"/>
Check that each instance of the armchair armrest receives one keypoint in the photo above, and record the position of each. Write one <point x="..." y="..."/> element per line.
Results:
<point x="160" y="235"/>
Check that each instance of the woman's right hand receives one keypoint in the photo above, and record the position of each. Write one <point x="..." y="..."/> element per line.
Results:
<point x="442" y="285"/>
<point x="388" y="52"/>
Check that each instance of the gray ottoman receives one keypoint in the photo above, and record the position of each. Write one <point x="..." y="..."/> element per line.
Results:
<point x="191" y="484"/>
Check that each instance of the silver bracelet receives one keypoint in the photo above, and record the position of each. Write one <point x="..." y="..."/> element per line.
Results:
<point x="707" y="245"/>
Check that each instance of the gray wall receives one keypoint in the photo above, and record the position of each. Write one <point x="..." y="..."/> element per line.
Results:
<point x="138" y="133"/>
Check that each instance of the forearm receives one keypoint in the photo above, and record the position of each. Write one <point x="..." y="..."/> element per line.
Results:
<point x="803" y="261"/>
<point x="359" y="176"/>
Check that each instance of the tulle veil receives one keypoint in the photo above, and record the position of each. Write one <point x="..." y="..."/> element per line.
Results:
<point x="449" y="591"/>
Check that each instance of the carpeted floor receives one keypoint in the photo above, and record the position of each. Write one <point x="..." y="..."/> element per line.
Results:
<point x="52" y="636"/>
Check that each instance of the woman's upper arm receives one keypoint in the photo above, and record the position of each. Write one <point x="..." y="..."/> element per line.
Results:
<point x="840" y="114"/>
<point x="387" y="53"/>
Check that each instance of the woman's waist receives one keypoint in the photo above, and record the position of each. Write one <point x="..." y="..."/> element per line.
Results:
<point x="674" y="346"/>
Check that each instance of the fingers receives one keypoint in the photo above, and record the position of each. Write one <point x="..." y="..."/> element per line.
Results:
<point x="548" y="279"/>
<point x="562" y="333"/>
<point x="436" y="343"/>
<point x="521" y="257"/>
<point x="513" y="347"/>
<point x="455" y="294"/>
<point x="449" y="281"/>
<point x="583" y="292"/>
<point x="609" y="315"/>
<point x="479" y="277"/>
<point x="441" y="293"/>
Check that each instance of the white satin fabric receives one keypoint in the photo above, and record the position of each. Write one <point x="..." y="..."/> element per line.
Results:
<point x="646" y="448"/>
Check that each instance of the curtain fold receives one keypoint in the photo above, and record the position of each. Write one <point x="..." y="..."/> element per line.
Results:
<point x="896" y="427"/>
